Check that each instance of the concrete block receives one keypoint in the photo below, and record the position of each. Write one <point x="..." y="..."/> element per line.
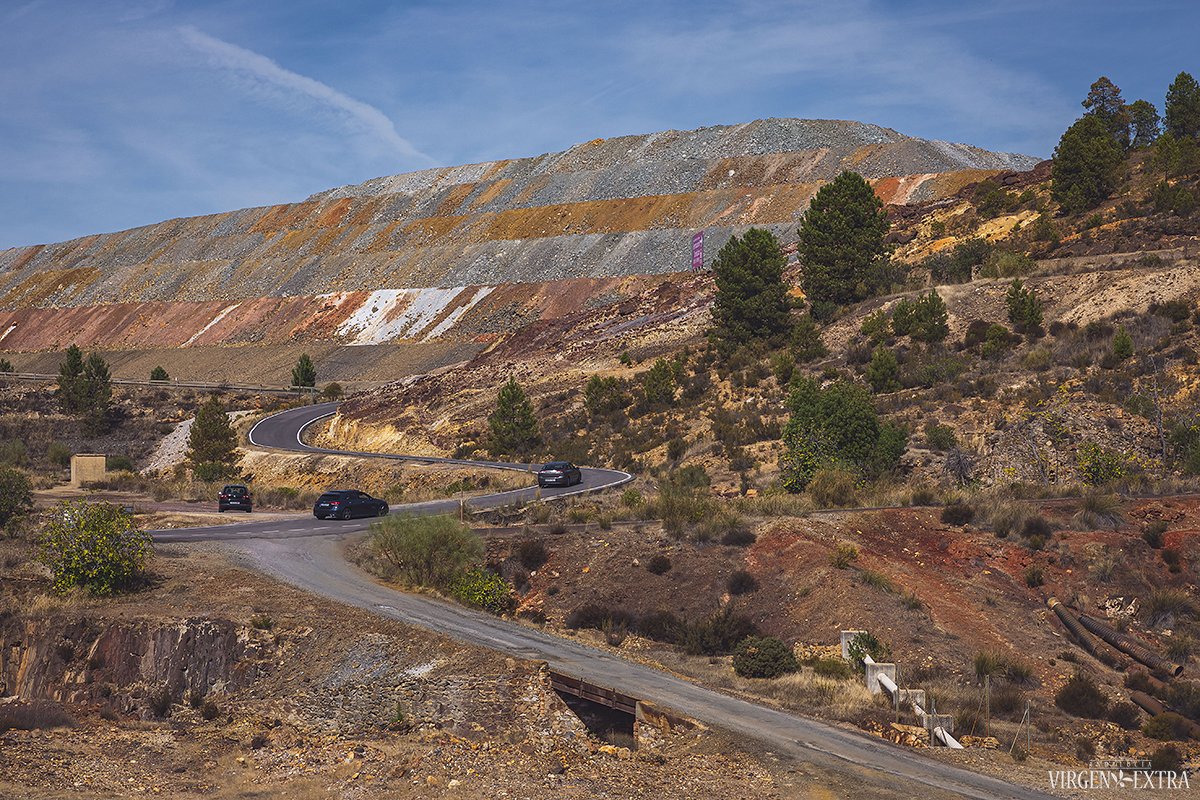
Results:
<point x="846" y="637"/>
<point x="873" y="673"/>
<point x="86" y="468"/>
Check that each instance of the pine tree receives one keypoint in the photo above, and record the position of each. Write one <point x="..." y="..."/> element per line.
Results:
<point x="883" y="372"/>
<point x="304" y="373"/>
<point x="1086" y="165"/>
<point x="514" y="427"/>
<point x="70" y="381"/>
<point x="1122" y="344"/>
<point x="212" y="444"/>
<point x="1181" y="113"/>
<point x="96" y="395"/>
<point x="1143" y="118"/>
<point x="1024" y="307"/>
<point x="930" y="320"/>
<point x="1104" y="102"/>
<point x="751" y="301"/>
<point x="842" y="243"/>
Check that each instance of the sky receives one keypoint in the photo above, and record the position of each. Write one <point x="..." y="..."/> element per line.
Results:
<point x="121" y="113"/>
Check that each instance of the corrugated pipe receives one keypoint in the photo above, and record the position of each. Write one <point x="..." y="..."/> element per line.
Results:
<point x="1157" y="688"/>
<point x="1130" y="646"/>
<point x="1154" y="708"/>
<point x="1064" y="616"/>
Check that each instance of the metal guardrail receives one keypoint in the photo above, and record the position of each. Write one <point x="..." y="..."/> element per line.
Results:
<point x="173" y="384"/>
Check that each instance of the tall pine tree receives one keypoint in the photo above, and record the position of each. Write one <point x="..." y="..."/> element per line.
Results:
<point x="305" y="372"/>
<point x="70" y="381"/>
<point x="96" y="395"/>
<point x="1086" y="165"/>
<point x="212" y="444"/>
<point x="842" y="243"/>
<point x="1181" y="114"/>
<point x="1104" y="102"/>
<point x="513" y="425"/>
<point x="751" y="301"/>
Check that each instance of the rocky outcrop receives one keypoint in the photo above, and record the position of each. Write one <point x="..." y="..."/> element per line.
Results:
<point x="80" y="661"/>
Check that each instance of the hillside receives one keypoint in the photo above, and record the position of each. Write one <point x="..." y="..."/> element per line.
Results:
<point x="453" y="256"/>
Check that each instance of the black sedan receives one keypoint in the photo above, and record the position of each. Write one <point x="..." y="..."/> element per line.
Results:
<point x="559" y="473"/>
<point x="235" y="496"/>
<point x="347" y="503"/>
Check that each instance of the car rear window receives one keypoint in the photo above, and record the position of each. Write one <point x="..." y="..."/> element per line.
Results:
<point x="236" y="491"/>
<point x="557" y="465"/>
<point x="325" y="498"/>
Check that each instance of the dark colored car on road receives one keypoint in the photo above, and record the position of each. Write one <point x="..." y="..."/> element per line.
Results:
<point x="347" y="503"/>
<point x="235" y="496"/>
<point x="559" y="473"/>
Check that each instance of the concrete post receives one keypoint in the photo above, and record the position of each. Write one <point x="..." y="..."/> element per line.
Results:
<point x="877" y="671"/>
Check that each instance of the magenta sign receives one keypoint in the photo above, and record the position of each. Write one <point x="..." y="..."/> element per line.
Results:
<point x="698" y="251"/>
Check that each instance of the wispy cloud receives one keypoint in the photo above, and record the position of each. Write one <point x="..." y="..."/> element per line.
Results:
<point x="260" y="68"/>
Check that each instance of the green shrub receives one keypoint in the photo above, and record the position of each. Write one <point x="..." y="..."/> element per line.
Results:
<point x="1122" y="344"/>
<point x="832" y="668"/>
<point x="1099" y="465"/>
<point x="876" y="580"/>
<point x="741" y="582"/>
<point x="877" y="327"/>
<point x="833" y="488"/>
<point x="1033" y="576"/>
<point x="13" y="452"/>
<point x="1126" y="715"/>
<point x="1168" y="726"/>
<point x="16" y="495"/>
<point x="1168" y="603"/>
<point x="481" y="588"/>
<point x="1081" y="697"/>
<point x="59" y="454"/>
<point x="1166" y="759"/>
<point x="958" y="514"/>
<point x="119" y="463"/>
<point x="95" y="546"/>
<point x="426" y="551"/>
<point x="866" y="644"/>
<point x="843" y="555"/>
<point x="532" y="554"/>
<point x="739" y="537"/>
<point x="763" y="657"/>
<point x="159" y="702"/>
<point x="718" y="634"/>
<point x="658" y="565"/>
<point x="333" y="391"/>
<point x="631" y="498"/>
<point x="940" y="437"/>
<point x="1099" y="512"/>
<point x="883" y="373"/>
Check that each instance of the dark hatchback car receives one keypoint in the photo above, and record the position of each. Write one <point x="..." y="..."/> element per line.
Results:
<point x="559" y="473"/>
<point x="347" y="503"/>
<point x="235" y="496"/>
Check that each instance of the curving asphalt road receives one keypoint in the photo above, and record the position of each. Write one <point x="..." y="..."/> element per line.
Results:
<point x="307" y="553"/>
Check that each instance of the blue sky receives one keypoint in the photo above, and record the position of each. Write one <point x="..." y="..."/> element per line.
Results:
<point x="123" y="113"/>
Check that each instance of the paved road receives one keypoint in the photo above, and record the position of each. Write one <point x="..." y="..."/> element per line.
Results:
<point x="308" y="554"/>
